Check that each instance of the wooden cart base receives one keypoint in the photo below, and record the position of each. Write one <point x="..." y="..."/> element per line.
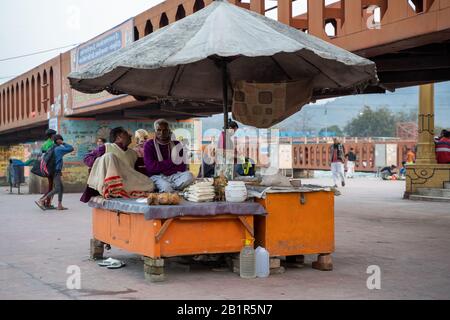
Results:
<point x="298" y="224"/>
<point x="157" y="238"/>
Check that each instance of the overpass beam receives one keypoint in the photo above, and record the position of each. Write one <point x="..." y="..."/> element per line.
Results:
<point x="285" y="12"/>
<point x="258" y="6"/>
<point x="352" y="16"/>
<point x="425" y="148"/>
<point x="316" y="23"/>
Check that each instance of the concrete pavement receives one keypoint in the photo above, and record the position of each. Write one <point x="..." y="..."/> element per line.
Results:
<point x="408" y="240"/>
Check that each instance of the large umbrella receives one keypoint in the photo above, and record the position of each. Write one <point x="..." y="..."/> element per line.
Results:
<point x="200" y="58"/>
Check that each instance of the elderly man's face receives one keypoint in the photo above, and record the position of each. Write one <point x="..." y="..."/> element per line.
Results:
<point x="163" y="132"/>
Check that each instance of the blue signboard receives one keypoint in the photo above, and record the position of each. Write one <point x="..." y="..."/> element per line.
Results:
<point x="100" y="48"/>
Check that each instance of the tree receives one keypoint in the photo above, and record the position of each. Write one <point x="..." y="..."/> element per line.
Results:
<point x="411" y="116"/>
<point x="369" y="123"/>
<point x="332" y="131"/>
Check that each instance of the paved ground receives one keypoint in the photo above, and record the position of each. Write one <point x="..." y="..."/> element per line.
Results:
<point x="409" y="241"/>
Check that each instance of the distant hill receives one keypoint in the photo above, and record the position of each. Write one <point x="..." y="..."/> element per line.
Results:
<point x="341" y="110"/>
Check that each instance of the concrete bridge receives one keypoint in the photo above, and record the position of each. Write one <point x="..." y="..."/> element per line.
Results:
<point x="408" y="39"/>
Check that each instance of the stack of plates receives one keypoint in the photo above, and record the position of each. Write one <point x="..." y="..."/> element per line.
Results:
<point x="200" y="192"/>
<point x="236" y="191"/>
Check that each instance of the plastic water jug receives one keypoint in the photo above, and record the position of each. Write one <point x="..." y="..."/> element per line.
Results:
<point x="262" y="262"/>
<point x="247" y="266"/>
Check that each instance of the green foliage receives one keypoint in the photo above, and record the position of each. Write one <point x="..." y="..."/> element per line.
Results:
<point x="332" y="129"/>
<point x="370" y="123"/>
<point x="411" y="116"/>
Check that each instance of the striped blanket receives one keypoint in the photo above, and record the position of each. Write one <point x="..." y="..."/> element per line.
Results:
<point x="113" y="178"/>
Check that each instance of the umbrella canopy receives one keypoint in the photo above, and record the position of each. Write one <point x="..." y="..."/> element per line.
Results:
<point x="201" y="57"/>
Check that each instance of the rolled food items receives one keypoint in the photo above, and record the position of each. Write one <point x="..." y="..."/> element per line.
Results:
<point x="156" y="199"/>
<point x="174" y="198"/>
<point x="152" y="199"/>
<point x="163" y="199"/>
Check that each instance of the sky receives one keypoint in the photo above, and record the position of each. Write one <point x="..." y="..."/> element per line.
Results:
<point x="29" y="26"/>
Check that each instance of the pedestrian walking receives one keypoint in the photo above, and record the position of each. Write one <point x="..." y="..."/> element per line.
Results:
<point x="351" y="159"/>
<point x="60" y="150"/>
<point x="337" y="159"/>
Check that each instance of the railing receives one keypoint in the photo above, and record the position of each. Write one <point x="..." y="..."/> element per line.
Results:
<point x="316" y="156"/>
<point x="27" y="99"/>
<point x="341" y="18"/>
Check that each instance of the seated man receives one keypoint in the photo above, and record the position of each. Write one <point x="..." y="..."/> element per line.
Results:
<point x="162" y="160"/>
<point x="443" y="148"/>
<point x="402" y="172"/>
<point x="113" y="169"/>
<point x="246" y="168"/>
<point x="141" y="136"/>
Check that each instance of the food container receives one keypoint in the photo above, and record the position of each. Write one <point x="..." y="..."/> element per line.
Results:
<point x="235" y="191"/>
<point x="296" y="183"/>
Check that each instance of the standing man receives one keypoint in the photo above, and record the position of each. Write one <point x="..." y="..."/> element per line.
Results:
<point x="410" y="157"/>
<point x="351" y="158"/>
<point x="228" y="139"/>
<point x="163" y="160"/>
<point x="48" y="143"/>
<point x="337" y="159"/>
<point x="59" y="151"/>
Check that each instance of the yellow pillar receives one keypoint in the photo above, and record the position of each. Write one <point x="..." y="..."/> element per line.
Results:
<point x="425" y="147"/>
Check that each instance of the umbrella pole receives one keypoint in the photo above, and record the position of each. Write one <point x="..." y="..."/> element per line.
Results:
<point x="225" y="94"/>
<point x="225" y="113"/>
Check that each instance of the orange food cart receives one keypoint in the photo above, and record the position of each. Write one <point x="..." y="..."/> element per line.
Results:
<point x="186" y="230"/>
<point x="287" y="222"/>
<point x="299" y="222"/>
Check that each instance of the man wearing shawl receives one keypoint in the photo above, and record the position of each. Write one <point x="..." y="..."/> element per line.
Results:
<point x="164" y="160"/>
<point x="113" y="173"/>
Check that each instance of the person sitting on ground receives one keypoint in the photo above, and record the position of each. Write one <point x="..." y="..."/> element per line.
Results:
<point x="387" y="173"/>
<point x="115" y="174"/>
<point x="165" y="166"/>
<point x="443" y="148"/>
<point x="59" y="151"/>
<point x="141" y="136"/>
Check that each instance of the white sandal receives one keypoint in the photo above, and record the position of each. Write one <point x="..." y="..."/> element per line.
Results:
<point x="107" y="262"/>
<point x="116" y="265"/>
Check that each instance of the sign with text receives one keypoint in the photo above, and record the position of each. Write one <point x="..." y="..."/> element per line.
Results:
<point x="93" y="50"/>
